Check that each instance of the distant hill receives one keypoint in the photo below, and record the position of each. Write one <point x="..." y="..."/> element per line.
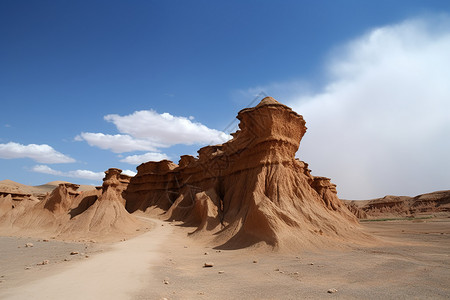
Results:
<point x="401" y="206"/>
<point x="12" y="186"/>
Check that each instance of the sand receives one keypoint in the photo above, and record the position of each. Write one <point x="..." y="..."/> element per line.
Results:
<point x="412" y="261"/>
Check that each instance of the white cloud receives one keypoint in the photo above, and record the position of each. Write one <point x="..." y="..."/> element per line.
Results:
<point x="117" y="143"/>
<point x="83" y="174"/>
<point x="129" y="173"/>
<point x="166" y="129"/>
<point x="381" y="125"/>
<point x="39" y="153"/>
<point x="138" y="159"/>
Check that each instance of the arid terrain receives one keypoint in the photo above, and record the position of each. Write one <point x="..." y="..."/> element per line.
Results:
<point x="412" y="260"/>
<point x="244" y="219"/>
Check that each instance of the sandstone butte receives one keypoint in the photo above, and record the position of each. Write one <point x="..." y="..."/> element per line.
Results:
<point x="249" y="191"/>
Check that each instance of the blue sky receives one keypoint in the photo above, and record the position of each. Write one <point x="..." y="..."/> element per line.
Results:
<point x="89" y="85"/>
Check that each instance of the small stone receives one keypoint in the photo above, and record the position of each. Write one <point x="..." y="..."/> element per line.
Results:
<point x="277" y="269"/>
<point x="221" y="272"/>
<point x="44" y="262"/>
<point x="27" y="268"/>
<point x="74" y="253"/>
<point x="65" y="259"/>
<point x="165" y="281"/>
<point x="200" y="293"/>
<point x="295" y="273"/>
<point x="218" y="251"/>
<point x="28" y="245"/>
<point x="255" y="261"/>
<point x="206" y="253"/>
<point x="311" y="264"/>
<point x="86" y="256"/>
<point x="332" y="291"/>
<point x="208" y="265"/>
<point x="185" y="246"/>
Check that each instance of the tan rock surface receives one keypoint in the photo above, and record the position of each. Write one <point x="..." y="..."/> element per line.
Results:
<point x="250" y="190"/>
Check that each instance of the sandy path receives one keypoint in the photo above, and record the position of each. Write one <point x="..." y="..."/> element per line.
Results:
<point x="115" y="274"/>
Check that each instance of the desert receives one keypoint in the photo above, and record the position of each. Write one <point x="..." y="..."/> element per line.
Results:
<point x="243" y="219"/>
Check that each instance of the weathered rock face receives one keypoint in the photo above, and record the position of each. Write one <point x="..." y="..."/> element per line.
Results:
<point x="60" y="200"/>
<point x="249" y="190"/>
<point x="66" y="213"/>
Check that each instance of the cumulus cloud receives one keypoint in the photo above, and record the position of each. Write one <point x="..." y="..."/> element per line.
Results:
<point x="129" y="172"/>
<point x="83" y="174"/>
<point x="39" y="153"/>
<point x="117" y="143"/>
<point x="139" y="159"/>
<point x="166" y="129"/>
<point x="381" y="124"/>
<point x="147" y="130"/>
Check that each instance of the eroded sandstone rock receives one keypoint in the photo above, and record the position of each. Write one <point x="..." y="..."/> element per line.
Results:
<point x="248" y="190"/>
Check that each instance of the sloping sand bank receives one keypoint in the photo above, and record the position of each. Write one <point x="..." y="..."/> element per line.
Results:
<point x="115" y="274"/>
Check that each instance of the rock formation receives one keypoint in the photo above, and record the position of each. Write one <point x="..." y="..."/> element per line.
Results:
<point x="249" y="190"/>
<point x="69" y="214"/>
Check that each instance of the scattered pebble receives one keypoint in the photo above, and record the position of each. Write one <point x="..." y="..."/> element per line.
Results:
<point x="165" y="281"/>
<point x="295" y="273"/>
<point x="185" y="246"/>
<point x="255" y="261"/>
<point x="208" y="265"/>
<point x="86" y="256"/>
<point x="218" y="251"/>
<point x="332" y="291"/>
<point x="277" y="269"/>
<point x="221" y="272"/>
<point x="44" y="262"/>
<point x="27" y="268"/>
<point x="311" y="264"/>
<point x="206" y="253"/>
<point x="74" y="253"/>
<point x="200" y="293"/>
<point x="65" y="259"/>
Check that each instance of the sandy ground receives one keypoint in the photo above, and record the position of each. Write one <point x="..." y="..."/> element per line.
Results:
<point x="412" y="262"/>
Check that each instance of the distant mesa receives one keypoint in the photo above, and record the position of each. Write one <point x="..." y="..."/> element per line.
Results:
<point x="436" y="203"/>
